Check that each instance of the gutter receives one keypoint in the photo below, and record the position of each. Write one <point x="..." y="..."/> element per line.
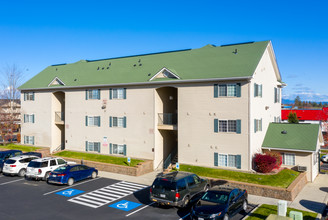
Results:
<point x="306" y="151"/>
<point x="141" y="83"/>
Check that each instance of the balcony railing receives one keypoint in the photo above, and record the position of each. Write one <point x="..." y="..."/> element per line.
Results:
<point x="167" y="119"/>
<point x="59" y="117"/>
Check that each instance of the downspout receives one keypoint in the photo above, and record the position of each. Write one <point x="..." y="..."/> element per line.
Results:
<point x="249" y="127"/>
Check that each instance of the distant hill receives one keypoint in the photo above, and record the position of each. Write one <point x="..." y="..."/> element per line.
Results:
<point x="287" y="101"/>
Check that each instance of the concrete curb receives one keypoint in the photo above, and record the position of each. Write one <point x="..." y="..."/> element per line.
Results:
<point x="246" y="216"/>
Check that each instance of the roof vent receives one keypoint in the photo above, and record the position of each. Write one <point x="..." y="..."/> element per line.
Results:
<point x="284" y="132"/>
<point x="134" y="65"/>
<point x="109" y="64"/>
<point x="98" y="68"/>
<point x="139" y="60"/>
<point x="235" y="52"/>
<point x="140" y="64"/>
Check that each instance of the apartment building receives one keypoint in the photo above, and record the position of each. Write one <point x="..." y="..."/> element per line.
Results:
<point x="209" y="106"/>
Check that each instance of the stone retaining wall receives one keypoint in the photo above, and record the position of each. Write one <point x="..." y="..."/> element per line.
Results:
<point x="288" y="194"/>
<point x="140" y="169"/>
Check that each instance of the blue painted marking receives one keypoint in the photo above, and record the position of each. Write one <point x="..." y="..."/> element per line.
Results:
<point x="125" y="205"/>
<point x="69" y="192"/>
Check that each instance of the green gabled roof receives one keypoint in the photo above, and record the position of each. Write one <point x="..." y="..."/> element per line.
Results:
<point x="299" y="137"/>
<point x="239" y="60"/>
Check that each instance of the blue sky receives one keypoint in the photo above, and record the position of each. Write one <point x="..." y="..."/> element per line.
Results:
<point x="36" y="34"/>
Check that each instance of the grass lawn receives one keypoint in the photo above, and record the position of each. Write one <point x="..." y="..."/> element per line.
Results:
<point x="98" y="158"/>
<point x="282" y="179"/>
<point x="20" y="147"/>
<point x="264" y="211"/>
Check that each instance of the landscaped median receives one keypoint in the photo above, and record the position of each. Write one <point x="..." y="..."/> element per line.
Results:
<point x="43" y="150"/>
<point x="109" y="163"/>
<point x="284" y="185"/>
<point x="263" y="211"/>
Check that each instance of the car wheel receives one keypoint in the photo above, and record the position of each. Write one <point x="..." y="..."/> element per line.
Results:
<point x="70" y="181"/>
<point x="245" y="205"/>
<point x="226" y="217"/>
<point x="93" y="175"/>
<point x="46" y="176"/>
<point x="22" y="172"/>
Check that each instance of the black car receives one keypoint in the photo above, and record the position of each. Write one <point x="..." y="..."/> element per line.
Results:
<point x="177" y="188"/>
<point x="4" y="155"/>
<point x="220" y="203"/>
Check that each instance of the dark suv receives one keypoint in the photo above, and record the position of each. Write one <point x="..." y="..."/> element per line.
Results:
<point x="177" y="188"/>
<point x="4" y="155"/>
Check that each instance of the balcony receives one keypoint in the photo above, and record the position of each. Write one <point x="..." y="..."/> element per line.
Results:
<point x="59" y="118"/>
<point x="167" y="121"/>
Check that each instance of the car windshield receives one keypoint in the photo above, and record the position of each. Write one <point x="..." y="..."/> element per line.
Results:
<point x="10" y="161"/>
<point x="61" y="169"/>
<point x="164" y="184"/>
<point x="2" y="156"/>
<point x="215" y="197"/>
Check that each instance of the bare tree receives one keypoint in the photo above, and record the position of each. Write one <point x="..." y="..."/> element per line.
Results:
<point x="11" y="78"/>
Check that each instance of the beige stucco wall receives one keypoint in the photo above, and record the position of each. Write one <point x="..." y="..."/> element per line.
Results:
<point x="263" y="107"/>
<point x="41" y="129"/>
<point x="197" y="109"/>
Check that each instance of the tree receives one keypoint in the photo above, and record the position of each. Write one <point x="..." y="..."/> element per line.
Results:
<point x="11" y="77"/>
<point x="297" y="101"/>
<point x="292" y="118"/>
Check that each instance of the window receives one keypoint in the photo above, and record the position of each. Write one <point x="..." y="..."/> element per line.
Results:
<point x="119" y="149"/>
<point x="257" y="90"/>
<point x="257" y="125"/>
<point x="227" y="160"/>
<point x="92" y="146"/>
<point x="117" y="122"/>
<point x="315" y="158"/>
<point x="92" y="121"/>
<point x="60" y="161"/>
<point x="92" y="94"/>
<point x="29" y="140"/>
<point x="227" y="126"/>
<point x="119" y="93"/>
<point x="277" y="119"/>
<point x="28" y="118"/>
<point x="53" y="163"/>
<point x="227" y="90"/>
<point x="276" y="95"/>
<point x="288" y="159"/>
<point x="28" y="96"/>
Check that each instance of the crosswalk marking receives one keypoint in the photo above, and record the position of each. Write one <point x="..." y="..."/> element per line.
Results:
<point x="108" y="194"/>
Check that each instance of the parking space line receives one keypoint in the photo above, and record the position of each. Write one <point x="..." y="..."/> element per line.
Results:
<point x="11" y="181"/>
<point x="184" y="216"/>
<point x="71" y="186"/>
<point x="139" y="209"/>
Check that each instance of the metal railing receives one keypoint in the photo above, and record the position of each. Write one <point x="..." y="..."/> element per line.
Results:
<point x="59" y="117"/>
<point x="59" y="148"/>
<point x="167" y="119"/>
<point x="168" y="160"/>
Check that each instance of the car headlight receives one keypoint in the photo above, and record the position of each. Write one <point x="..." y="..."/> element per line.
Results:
<point x="215" y="215"/>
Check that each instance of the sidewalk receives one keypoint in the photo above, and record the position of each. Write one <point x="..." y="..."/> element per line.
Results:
<point x="313" y="197"/>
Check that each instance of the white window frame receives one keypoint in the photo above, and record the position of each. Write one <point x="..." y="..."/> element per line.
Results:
<point x="118" y="93"/>
<point x="229" y="127"/>
<point x="229" y="90"/>
<point x="94" y="146"/>
<point x="287" y="159"/>
<point x="93" y="93"/>
<point x="118" y="149"/>
<point x="229" y="160"/>
<point x="258" y="125"/>
<point x="257" y="90"/>
<point x="92" y="121"/>
<point x="118" y="122"/>
<point x="29" y="118"/>
<point x="29" y="140"/>
<point x="277" y="95"/>
<point x="29" y="96"/>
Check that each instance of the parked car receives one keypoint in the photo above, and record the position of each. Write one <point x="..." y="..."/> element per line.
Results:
<point x="72" y="173"/>
<point x="17" y="165"/>
<point x="41" y="168"/>
<point x="324" y="158"/>
<point x="177" y="188"/>
<point x="220" y="203"/>
<point x="33" y="154"/>
<point x="5" y="155"/>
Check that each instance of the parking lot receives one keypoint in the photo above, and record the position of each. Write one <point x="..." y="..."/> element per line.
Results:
<point x="99" y="198"/>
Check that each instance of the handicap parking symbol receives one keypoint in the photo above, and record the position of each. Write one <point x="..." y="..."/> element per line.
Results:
<point x="125" y="205"/>
<point x="69" y="192"/>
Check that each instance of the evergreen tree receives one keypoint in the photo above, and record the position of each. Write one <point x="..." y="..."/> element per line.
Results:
<point x="292" y="118"/>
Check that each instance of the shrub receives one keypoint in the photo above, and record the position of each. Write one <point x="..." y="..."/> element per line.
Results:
<point x="264" y="163"/>
<point x="278" y="158"/>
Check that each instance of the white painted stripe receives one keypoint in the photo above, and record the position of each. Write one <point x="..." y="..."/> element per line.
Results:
<point x="84" y="203"/>
<point x="139" y="209"/>
<point x="129" y="186"/>
<point x="108" y="194"/>
<point x="184" y="216"/>
<point x="119" y="188"/>
<point x="120" y="193"/>
<point x="134" y="184"/>
<point x="11" y="182"/>
<point x="71" y="186"/>
<point x="95" y="198"/>
<point x="101" y="196"/>
<point x="87" y="200"/>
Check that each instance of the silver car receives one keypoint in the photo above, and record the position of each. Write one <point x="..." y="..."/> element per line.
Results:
<point x="324" y="158"/>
